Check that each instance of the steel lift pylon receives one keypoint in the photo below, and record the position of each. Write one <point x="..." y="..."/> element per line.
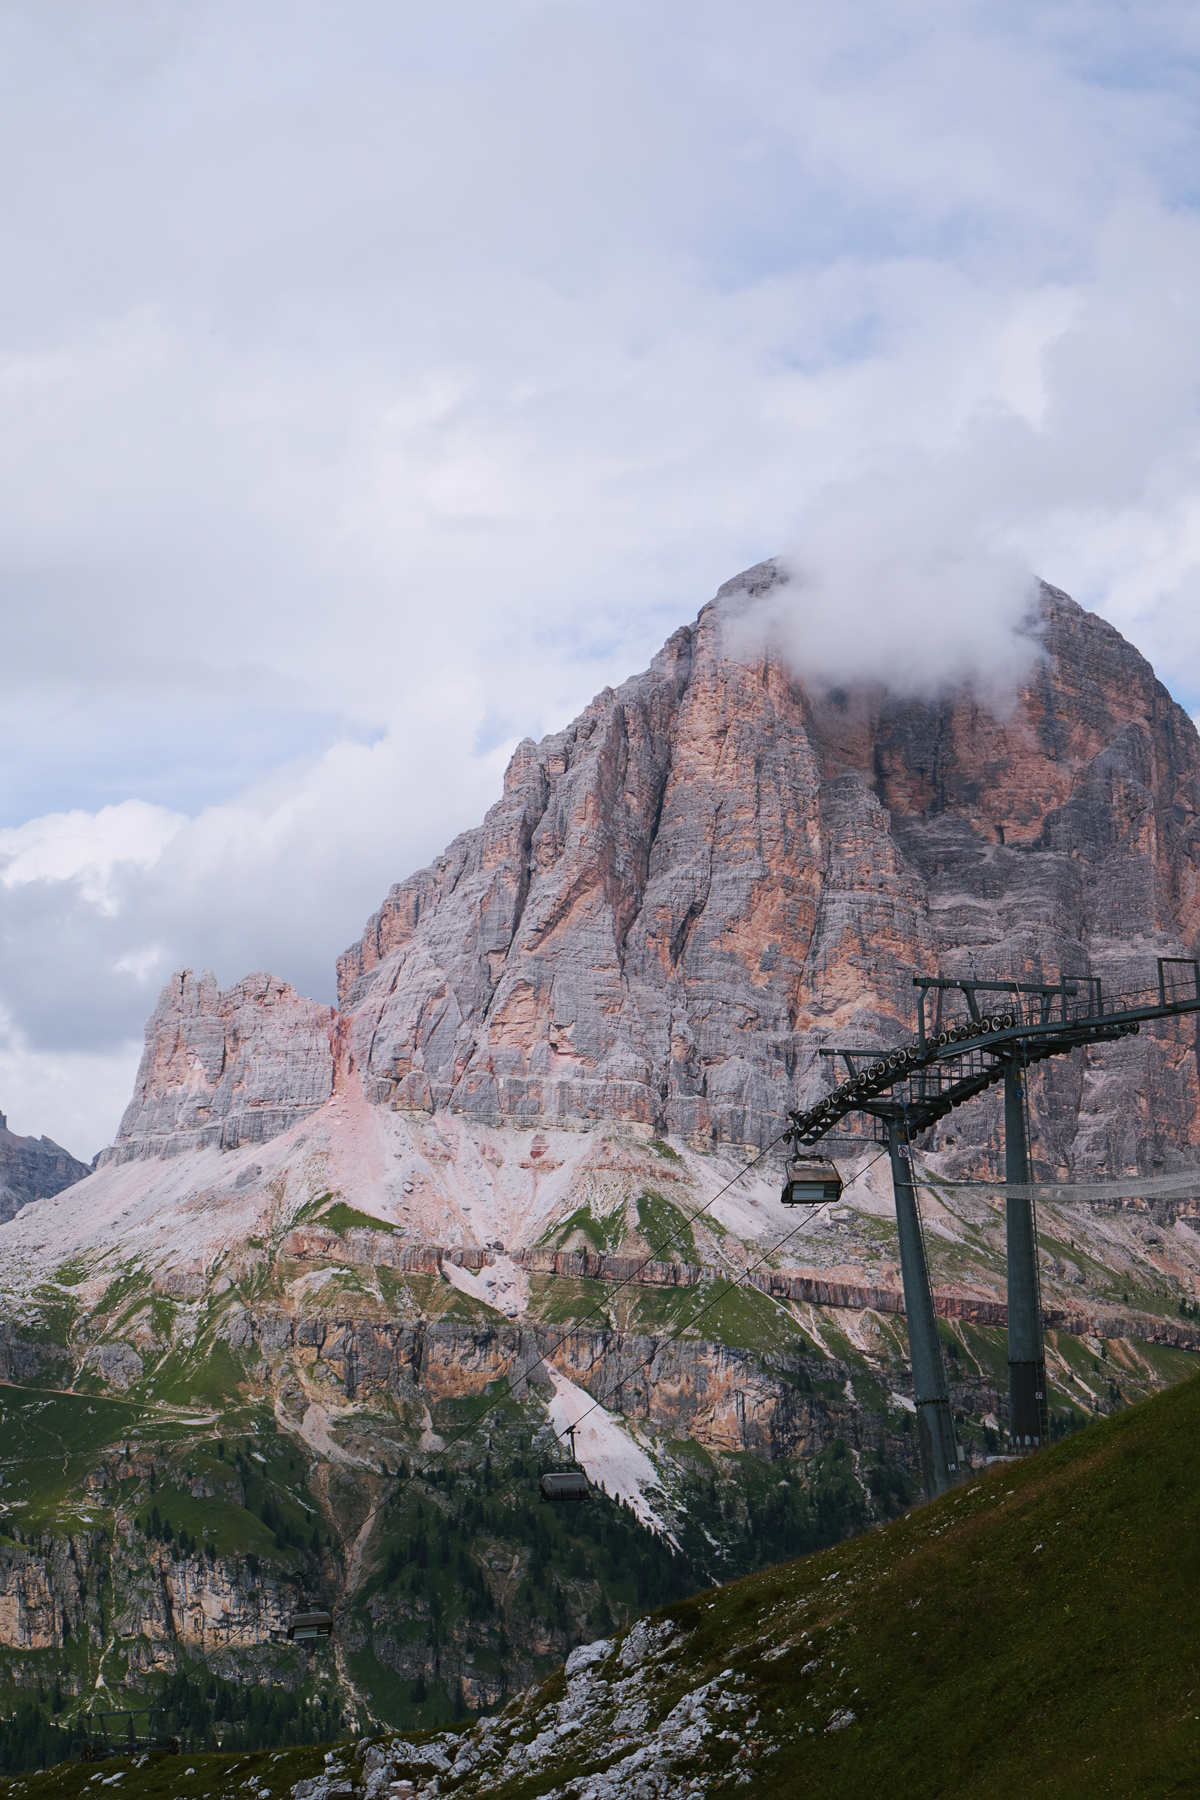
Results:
<point x="1028" y="1404"/>
<point x="936" y="1443"/>
<point x="910" y="1088"/>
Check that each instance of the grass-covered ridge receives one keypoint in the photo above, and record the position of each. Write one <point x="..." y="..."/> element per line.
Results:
<point x="1032" y="1633"/>
<point x="192" y="1775"/>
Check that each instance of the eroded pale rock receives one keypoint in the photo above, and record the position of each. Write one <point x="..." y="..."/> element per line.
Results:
<point x="229" y="1067"/>
<point x="714" y="868"/>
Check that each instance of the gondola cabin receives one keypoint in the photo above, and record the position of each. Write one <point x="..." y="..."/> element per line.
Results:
<point x="309" y="1627"/>
<point x="810" y="1183"/>
<point x="568" y="1484"/>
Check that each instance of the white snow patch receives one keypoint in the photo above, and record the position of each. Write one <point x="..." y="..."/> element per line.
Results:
<point x="605" y="1447"/>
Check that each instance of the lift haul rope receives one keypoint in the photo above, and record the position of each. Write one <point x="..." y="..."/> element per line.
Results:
<point x="601" y="1306"/>
<point x="673" y="1337"/>
<point x="1185" y="1185"/>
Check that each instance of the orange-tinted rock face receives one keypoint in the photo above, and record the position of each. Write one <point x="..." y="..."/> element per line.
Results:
<point x="713" y="871"/>
<point x="231" y="1067"/>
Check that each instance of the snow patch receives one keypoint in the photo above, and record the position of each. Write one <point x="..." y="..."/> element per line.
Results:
<point x="605" y="1447"/>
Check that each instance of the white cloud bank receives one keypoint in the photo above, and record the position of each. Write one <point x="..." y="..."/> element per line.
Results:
<point x="374" y="391"/>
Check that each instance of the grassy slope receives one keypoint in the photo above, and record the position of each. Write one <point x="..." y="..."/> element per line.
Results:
<point x="193" y="1776"/>
<point x="1034" y="1634"/>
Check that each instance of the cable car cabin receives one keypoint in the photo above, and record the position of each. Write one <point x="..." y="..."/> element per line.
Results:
<point x="810" y="1183"/>
<point x="308" y="1627"/>
<point x="568" y="1484"/>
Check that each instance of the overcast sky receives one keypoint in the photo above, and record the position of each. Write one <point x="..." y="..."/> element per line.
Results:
<point x="378" y="381"/>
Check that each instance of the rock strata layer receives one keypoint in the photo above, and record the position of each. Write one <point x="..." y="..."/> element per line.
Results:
<point x="378" y="1249"/>
<point x="722" y="1397"/>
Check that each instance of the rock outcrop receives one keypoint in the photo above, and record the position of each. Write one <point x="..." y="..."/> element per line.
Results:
<point x="721" y="1397"/>
<point x="225" y="1068"/>
<point x="713" y="870"/>
<point x="32" y="1169"/>
<point x="45" y="1593"/>
<point x="50" y="1592"/>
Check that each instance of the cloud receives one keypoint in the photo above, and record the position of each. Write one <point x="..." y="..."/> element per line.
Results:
<point x="87" y="847"/>
<point x="75" y="1098"/>
<point x="920" y="570"/>
<point x="369" y="398"/>
<point x="898" y="581"/>
<point x="97" y="910"/>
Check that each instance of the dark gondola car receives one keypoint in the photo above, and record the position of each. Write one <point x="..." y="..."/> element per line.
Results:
<point x="810" y="1182"/>
<point x="307" y="1627"/>
<point x="565" y="1484"/>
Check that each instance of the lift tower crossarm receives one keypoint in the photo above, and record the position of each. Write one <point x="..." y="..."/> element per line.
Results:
<point x="911" y="1087"/>
<point x="1053" y="1030"/>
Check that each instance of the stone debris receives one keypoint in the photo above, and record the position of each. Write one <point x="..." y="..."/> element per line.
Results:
<point x="335" y="1781"/>
<point x="644" y="1640"/>
<point x="608" y="1707"/>
<point x="588" y="1654"/>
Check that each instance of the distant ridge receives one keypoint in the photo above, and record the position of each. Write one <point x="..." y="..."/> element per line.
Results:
<point x="33" y="1169"/>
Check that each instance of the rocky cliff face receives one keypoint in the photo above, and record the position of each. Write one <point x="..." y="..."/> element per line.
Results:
<point x="717" y="869"/>
<point x="226" y="1068"/>
<point x="32" y="1169"/>
<point x="54" y="1589"/>
<point x="714" y="870"/>
<point x="722" y="1398"/>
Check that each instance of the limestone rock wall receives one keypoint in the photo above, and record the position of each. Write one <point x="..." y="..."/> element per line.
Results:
<point x="226" y="1067"/>
<point x="720" y="1396"/>
<point x="713" y="871"/>
<point x="55" y="1588"/>
<point x="48" y="1588"/>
